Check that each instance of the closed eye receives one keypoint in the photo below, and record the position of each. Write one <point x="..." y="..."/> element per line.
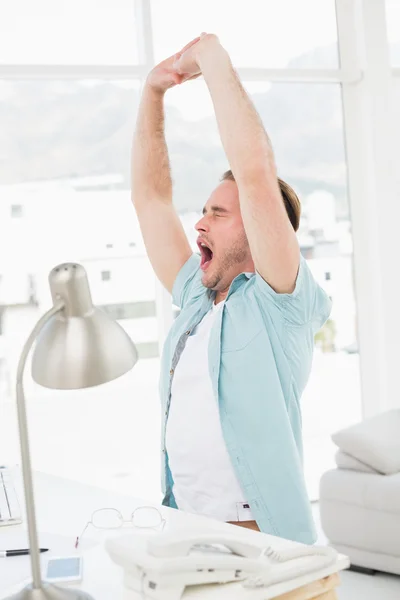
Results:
<point x="216" y="211"/>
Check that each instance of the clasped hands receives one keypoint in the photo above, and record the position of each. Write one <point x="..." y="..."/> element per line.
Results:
<point x="183" y="65"/>
<point x="187" y="61"/>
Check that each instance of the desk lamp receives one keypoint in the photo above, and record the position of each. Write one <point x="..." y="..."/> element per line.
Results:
<point x="78" y="346"/>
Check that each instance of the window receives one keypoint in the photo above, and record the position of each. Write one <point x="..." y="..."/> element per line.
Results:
<point x="268" y="36"/>
<point x="64" y="152"/>
<point x="4" y="392"/>
<point x="131" y="310"/>
<point x="397" y="104"/>
<point x="32" y="293"/>
<point x="57" y="32"/>
<point x="16" y="211"/>
<point x="393" y="20"/>
<point x="84" y="131"/>
<point x="92" y="123"/>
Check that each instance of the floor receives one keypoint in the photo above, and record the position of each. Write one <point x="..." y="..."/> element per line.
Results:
<point x="356" y="586"/>
<point x="366" y="587"/>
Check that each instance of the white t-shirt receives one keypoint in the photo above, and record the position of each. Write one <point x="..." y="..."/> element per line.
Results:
<point x="204" y="480"/>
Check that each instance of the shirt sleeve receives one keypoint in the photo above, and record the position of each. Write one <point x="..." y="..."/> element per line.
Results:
<point x="188" y="285"/>
<point x="307" y="304"/>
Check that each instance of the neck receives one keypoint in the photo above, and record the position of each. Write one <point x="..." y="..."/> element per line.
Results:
<point x="221" y="296"/>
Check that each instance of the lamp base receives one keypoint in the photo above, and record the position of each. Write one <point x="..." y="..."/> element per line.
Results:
<point x="50" y="592"/>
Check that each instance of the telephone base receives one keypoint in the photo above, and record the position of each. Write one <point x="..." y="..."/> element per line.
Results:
<point x="161" y="567"/>
<point x="151" y="590"/>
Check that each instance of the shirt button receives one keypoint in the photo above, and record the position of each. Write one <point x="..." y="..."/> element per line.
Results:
<point x="188" y="332"/>
<point x="171" y="372"/>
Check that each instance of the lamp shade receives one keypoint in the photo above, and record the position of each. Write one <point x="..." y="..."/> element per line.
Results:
<point x="80" y="346"/>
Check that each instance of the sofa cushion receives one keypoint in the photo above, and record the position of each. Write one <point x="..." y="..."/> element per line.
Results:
<point x="366" y="490"/>
<point x="346" y="461"/>
<point x="375" y="442"/>
<point x="362" y="511"/>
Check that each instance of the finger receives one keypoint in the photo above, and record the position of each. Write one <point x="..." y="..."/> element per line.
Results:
<point x="190" y="44"/>
<point x="176" y="65"/>
<point x="179" y="67"/>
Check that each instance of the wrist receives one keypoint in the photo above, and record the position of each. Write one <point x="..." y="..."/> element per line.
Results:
<point x="212" y="55"/>
<point x="153" y="91"/>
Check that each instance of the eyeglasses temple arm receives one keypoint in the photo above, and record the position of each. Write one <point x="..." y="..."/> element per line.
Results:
<point x="80" y="536"/>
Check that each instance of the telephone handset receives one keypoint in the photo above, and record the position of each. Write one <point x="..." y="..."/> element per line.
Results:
<point x="180" y="544"/>
<point x="160" y="567"/>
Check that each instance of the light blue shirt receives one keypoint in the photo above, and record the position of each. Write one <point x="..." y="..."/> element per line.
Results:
<point x="260" y="356"/>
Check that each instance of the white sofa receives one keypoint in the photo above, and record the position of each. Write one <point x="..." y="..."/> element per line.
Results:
<point x="360" y="499"/>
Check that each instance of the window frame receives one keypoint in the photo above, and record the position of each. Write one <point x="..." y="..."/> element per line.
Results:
<point x="368" y="110"/>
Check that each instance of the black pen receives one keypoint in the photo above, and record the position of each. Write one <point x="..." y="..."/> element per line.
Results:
<point x="24" y="552"/>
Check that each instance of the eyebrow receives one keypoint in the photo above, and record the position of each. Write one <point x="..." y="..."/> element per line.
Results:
<point x="215" y="209"/>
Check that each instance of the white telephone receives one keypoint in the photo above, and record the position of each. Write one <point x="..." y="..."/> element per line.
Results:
<point x="159" y="568"/>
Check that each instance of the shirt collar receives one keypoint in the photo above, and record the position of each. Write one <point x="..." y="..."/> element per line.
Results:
<point x="233" y="287"/>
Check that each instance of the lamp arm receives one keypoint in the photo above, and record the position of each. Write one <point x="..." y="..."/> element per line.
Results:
<point x="24" y="444"/>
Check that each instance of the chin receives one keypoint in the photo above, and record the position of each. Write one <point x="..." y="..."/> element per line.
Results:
<point x="208" y="282"/>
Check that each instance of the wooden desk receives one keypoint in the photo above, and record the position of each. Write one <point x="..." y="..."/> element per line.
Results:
<point x="63" y="508"/>
<point x="322" y="589"/>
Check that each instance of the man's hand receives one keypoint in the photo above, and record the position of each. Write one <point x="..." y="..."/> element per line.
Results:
<point x="188" y="62"/>
<point x="165" y="76"/>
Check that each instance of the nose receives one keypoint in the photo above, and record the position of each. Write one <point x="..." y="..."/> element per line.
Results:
<point x="202" y="225"/>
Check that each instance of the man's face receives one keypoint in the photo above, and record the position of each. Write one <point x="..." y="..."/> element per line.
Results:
<point x="222" y="240"/>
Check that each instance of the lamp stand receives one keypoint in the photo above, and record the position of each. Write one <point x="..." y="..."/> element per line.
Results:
<point x="37" y="590"/>
<point x="48" y="591"/>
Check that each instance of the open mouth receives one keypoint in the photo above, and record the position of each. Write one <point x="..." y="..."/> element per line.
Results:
<point x="206" y="255"/>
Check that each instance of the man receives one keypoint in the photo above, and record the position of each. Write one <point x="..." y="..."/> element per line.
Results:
<point x="238" y="356"/>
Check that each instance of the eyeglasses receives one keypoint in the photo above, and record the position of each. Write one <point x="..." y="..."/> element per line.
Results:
<point x="144" y="517"/>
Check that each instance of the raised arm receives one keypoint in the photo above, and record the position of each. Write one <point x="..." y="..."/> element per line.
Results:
<point x="272" y="239"/>
<point x="164" y="237"/>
